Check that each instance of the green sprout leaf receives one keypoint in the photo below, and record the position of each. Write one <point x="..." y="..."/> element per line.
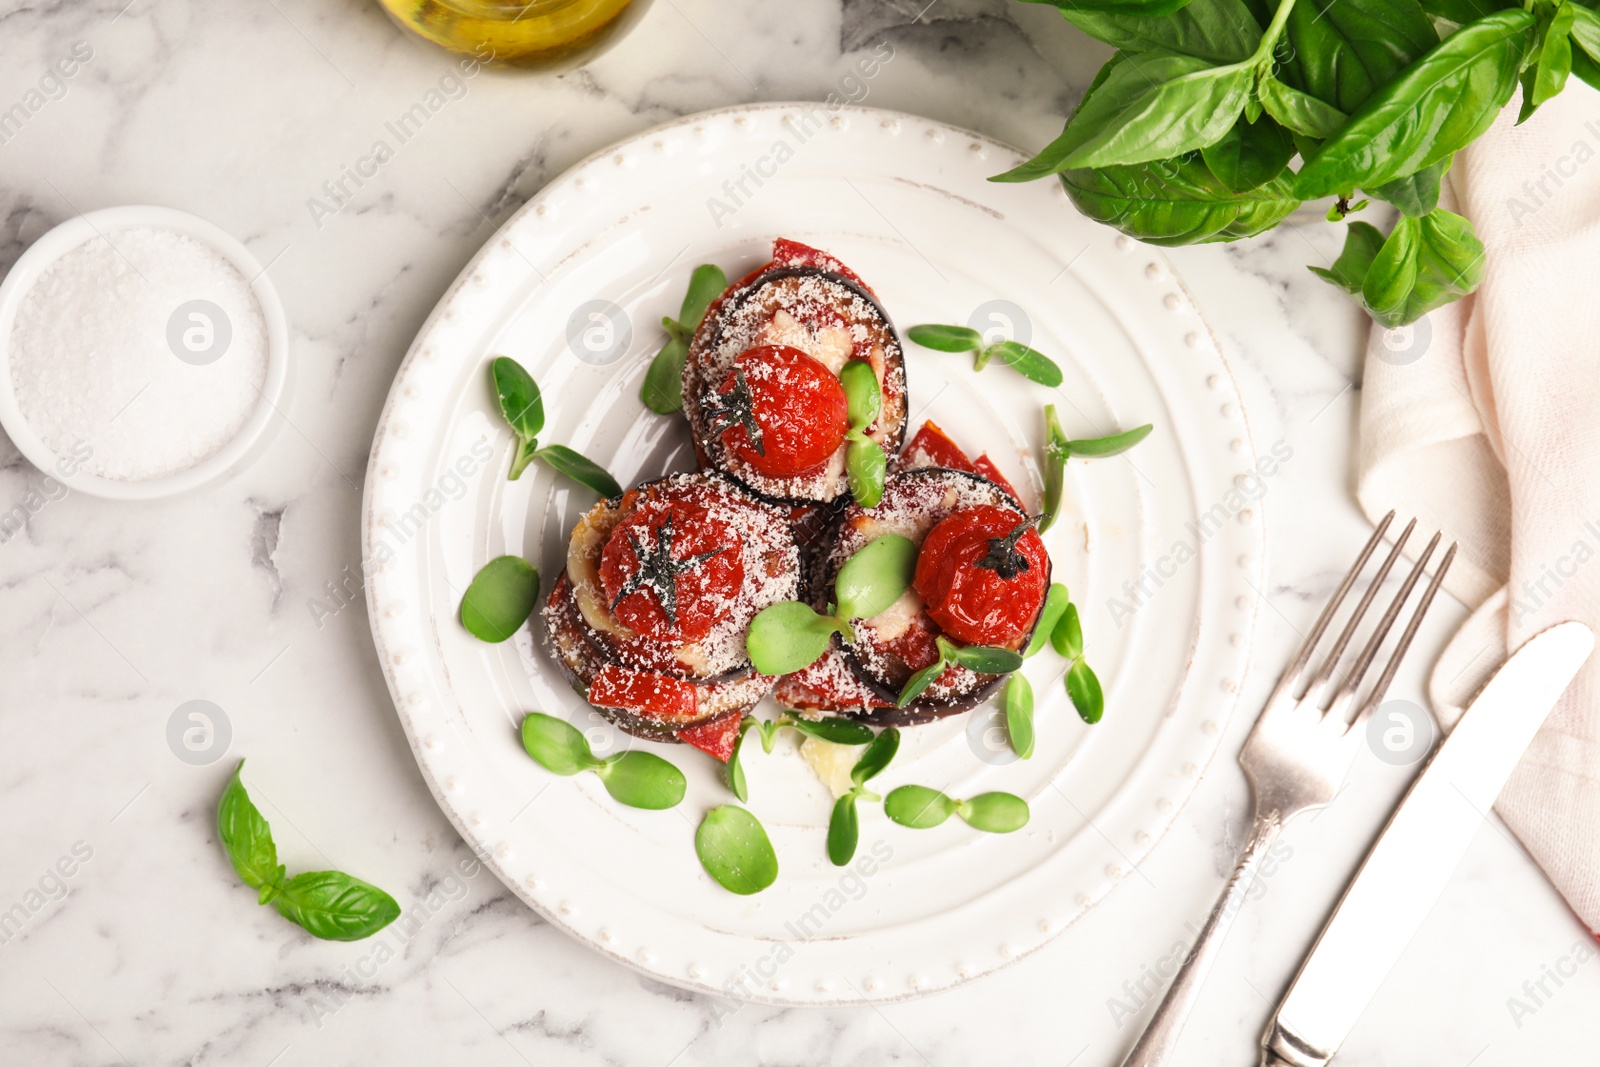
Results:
<point x="994" y="813"/>
<point x="839" y="731"/>
<point x="917" y="683"/>
<point x="557" y="746"/>
<point x="875" y="577"/>
<point x="790" y="636"/>
<point x="1084" y="689"/>
<point x="918" y="807"/>
<point x="642" y="780"/>
<point x="877" y="756"/>
<point x="1028" y="362"/>
<point x="662" y="391"/>
<point x="522" y="407"/>
<point x="1067" y="636"/>
<point x="865" y="463"/>
<point x="983" y="659"/>
<point x="1055" y="603"/>
<point x="863" y="394"/>
<point x="1019" y="714"/>
<point x="1112" y="445"/>
<point x="500" y="598"/>
<point x="844" y="830"/>
<point x="1056" y="450"/>
<point x="867" y="469"/>
<point x="947" y="338"/>
<point x="580" y="469"/>
<point x="735" y="768"/>
<point x="705" y="285"/>
<point x="734" y="849"/>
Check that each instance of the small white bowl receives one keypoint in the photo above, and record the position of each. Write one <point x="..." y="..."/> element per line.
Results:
<point x="74" y="232"/>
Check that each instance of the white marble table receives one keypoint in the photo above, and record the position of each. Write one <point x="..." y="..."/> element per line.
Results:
<point x="113" y="615"/>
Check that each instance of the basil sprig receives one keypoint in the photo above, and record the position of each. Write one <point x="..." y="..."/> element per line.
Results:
<point x="1030" y="363"/>
<point x="982" y="659"/>
<point x="1189" y="133"/>
<point x="662" y="391"/>
<point x="1058" y="449"/>
<point x="922" y="808"/>
<point x="864" y="462"/>
<point x="331" y="905"/>
<point x="844" y="826"/>
<point x="637" y="779"/>
<point x="838" y="731"/>
<point x="734" y="849"/>
<point x="500" y="598"/>
<point x="522" y="405"/>
<point x="790" y="636"/>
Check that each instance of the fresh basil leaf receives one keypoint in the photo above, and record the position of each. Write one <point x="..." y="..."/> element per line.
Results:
<point x="1424" y="264"/>
<point x="642" y="780"/>
<point x="1019" y="714"/>
<point x="1586" y="45"/>
<point x="918" y="807"/>
<point x="863" y="394"/>
<point x="875" y="576"/>
<point x="1299" y="112"/>
<point x="839" y="731"/>
<point x="1030" y="363"/>
<point x="1250" y="154"/>
<point x="917" y="683"/>
<point x="790" y="636"/>
<point x="500" y="598"/>
<point x="1417" y="194"/>
<point x="947" y="338"/>
<point x="1341" y="51"/>
<point x="662" y="391"/>
<point x="335" y="906"/>
<point x="705" y="285"/>
<point x="1552" y="61"/>
<point x="995" y="813"/>
<point x="876" y="757"/>
<point x="1362" y="243"/>
<point x="1112" y="445"/>
<point x="735" y="850"/>
<point x="1067" y="637"/>
<point x="557" y="746"/>
<point x="1177" y="202"/>
<point x="520" y="400"/>
<point x="1152" y="105"/>
<point x="1218" y="31"/>
<point x="1055" y="603"/>
<point x="1436" y="107"/>
<point x="1056" y="450"/>
<point x="986" y="659"/>
<point x="735" y="767"/>
<point x="1148" y="8"/>
<point x="1462" y="12"/>
<point x="1084" y="689"/>
<point x="580" y="469"/>
<point x="844" y="830"/>
<point x="246" y="837"/>
<point x="867" y="470"/>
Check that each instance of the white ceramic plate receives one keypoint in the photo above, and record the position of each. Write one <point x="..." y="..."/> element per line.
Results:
<point x="903" y="201"/>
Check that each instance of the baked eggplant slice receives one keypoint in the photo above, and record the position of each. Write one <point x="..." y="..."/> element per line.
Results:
<point x="760" y="384"/>
<point x="892" y="646"/>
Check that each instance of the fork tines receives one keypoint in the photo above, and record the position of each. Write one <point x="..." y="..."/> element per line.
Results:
<point x="1338" y="702"/>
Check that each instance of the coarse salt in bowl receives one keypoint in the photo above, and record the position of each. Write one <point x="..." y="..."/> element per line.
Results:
<point x="142" y="352"/>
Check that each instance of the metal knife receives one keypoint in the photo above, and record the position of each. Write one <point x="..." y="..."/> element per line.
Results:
<point x="1419" y="850"/>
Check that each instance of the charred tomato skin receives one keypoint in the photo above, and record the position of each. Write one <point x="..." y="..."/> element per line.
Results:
<point x="701" y="589"/>
<point x="981" y="605"/>
<point x="797" y="404"/>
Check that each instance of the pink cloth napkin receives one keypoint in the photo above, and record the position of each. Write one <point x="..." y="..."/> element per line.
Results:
<point x="1484" y="421"/>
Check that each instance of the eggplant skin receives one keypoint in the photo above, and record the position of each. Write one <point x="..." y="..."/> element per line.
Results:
<point x="891" y="427"/>
<point x="928" y="707"/>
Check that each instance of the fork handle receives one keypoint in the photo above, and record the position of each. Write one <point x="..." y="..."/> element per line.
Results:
<point x="1161" y="1036"/>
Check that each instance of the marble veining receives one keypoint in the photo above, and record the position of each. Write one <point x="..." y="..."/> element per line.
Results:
<point x="114" y="615"/>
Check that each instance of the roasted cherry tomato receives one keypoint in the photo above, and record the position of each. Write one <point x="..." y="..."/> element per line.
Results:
<point x="982" y="573"/>
<point x="649" y="696"/>
<point x="670" y="570"/>
<point x="781" y="411"/>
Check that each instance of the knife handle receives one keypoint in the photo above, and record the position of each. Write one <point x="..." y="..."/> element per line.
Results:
<point x="1161" y="1036"/>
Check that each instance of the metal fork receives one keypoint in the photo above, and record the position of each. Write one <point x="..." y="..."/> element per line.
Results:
<point x="1296" y="758"/>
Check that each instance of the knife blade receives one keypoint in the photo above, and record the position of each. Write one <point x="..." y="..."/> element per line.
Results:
<point x="1420" y="848"/>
